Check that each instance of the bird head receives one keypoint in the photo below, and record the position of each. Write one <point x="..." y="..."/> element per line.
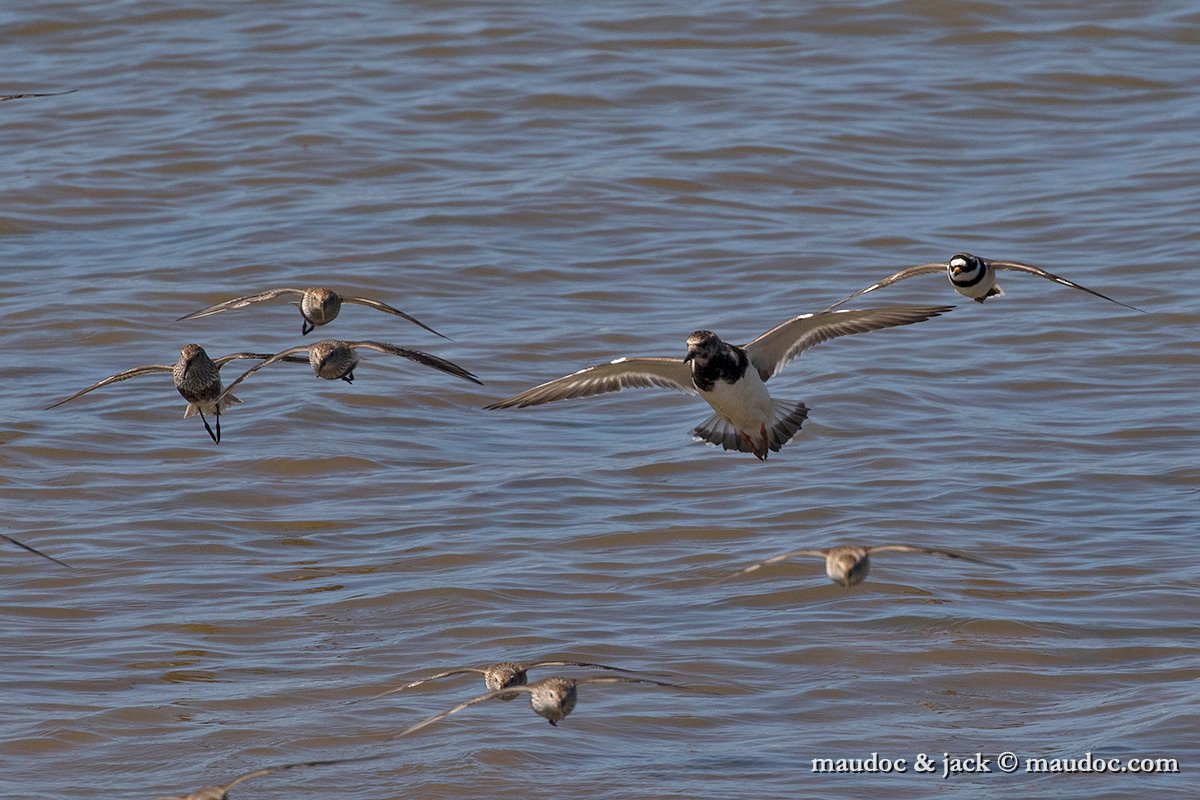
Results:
<point x="701" y="346"/>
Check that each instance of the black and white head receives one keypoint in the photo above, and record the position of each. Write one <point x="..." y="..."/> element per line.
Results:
<point x="194" y="367"/>
<point x="965" y="268"/>
<point x="702" y="346"/>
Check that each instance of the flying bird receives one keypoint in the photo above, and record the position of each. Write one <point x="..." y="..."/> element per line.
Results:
<point x="500" y="676"/>
<point x="24" y="546"/>
<point x="222" y="792"/>
<point x="975" y="277"/>
<point x="196" y="376"/>
<point x="729" y="378"/>
<point x="318" y="305"/>
<point x="334" y="359"/>
<point x="551" y="698"/>
<point x="848" y="565"/>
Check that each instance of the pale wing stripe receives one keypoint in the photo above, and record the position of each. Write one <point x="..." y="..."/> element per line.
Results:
<point x="631" y="373"/>
<point x="775" y="348"/>
<point x="1032" y="270"/>
<point x="240" y="302"/>
<point x="908" y="272"/>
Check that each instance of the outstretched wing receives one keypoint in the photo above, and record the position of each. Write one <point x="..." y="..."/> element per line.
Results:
<point x="35" y="551"/>
<point x="935" y="551"/>
<point x="4" y="97"/>
<point x="618" y="679"/>
<point x="421" y="358"/>
<point x="438" y="676"/>
<point x="280" y="356"/>
<point x="1032" y="270"/>
<point x="775" y="348"/>
<point x="624" y="373"/>
<point x="574" y="664"/>
<point x="240" y="302"/>
<point x="120" y="376"/>
<point x="774" y="560"/>
<point x="366" y="301"/>
<point x="483" y="698"/>
<point x="908" y="272"/>
<point x="258" y="773"/>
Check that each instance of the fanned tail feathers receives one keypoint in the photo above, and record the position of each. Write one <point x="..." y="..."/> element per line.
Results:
<point x="786" y="418"/>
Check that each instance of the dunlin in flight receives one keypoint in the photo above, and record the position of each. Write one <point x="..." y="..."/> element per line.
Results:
<point x="333" y="359"/>
<point x="552" y="698"/>
<point x="975" y="277"/>
<point x="848" y="565"/>
<point x="24" y="546"/>
<point x="729" y="378"/>
<point x="222" y="792"/>
<point x="196" y="376"/>
<point x="500" y="676"/>
<point x="318" y="305"/>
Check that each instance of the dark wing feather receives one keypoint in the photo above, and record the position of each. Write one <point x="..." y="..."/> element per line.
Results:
<point x="366" y="301"/>
<point x="240" y="302"/>
<point x="446" y="674"/>
<point x="775" y="348"/>
<point x="120" y="376"/>
<point x="624" y="373"/>
<point x="421" y="358"/>
<point x="280" y="356"/>
<point x="1032" y="270"/>
<point x="908" y="272"/>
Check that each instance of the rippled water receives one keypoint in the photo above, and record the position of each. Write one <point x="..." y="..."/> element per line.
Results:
<point x="553" y="187"/>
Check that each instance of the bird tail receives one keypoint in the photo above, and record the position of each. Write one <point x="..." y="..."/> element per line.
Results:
<point x="786" y="418"/>
<point x="193" y="409"/>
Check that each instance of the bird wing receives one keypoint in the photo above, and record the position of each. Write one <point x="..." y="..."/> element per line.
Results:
<point x="774" y="560"/>
<point x="366" y="301"/>
<point x="908" y="272"/>
<point x="280" y="356"/>
<point x="24" y="546"/>
<point x="4" y="97"/>
<point x="775" y="348"/>
<point x="1032" y="270"/>
<point x="619" y="679"/>
<point x="935" y="551"/>
<point x="467" y="704"/>
<point x="624" y="373"/>
<point x="421" y="358"/>
<point x="258" y="773"/>
<point x="120" y="376"/>
<point x="446" y="674"/>
<point x="240" y="302"/>
<point x="573" y="664"/>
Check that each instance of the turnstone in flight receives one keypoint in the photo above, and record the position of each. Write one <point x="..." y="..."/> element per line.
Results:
<point x="500" y="676"/>
<point x="196" y="376"/>
<point x="729" y="378"/>
<point x="551" y="698"/>
<point x="975" y="277"/>
<point x="334" y="359"/>
<point x="318" y="306"/>
<point x="848" y="565"/>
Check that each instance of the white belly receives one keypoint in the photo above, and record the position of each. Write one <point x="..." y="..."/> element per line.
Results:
<point x="980" y="289"/>
<point x="746" y="404"/>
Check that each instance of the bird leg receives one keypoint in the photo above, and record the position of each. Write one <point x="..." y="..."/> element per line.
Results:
<point x="215" y="437"/>
<point x="349" y="377"/>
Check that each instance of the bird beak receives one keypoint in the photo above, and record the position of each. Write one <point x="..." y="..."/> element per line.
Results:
<point x="691" y="354"/>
